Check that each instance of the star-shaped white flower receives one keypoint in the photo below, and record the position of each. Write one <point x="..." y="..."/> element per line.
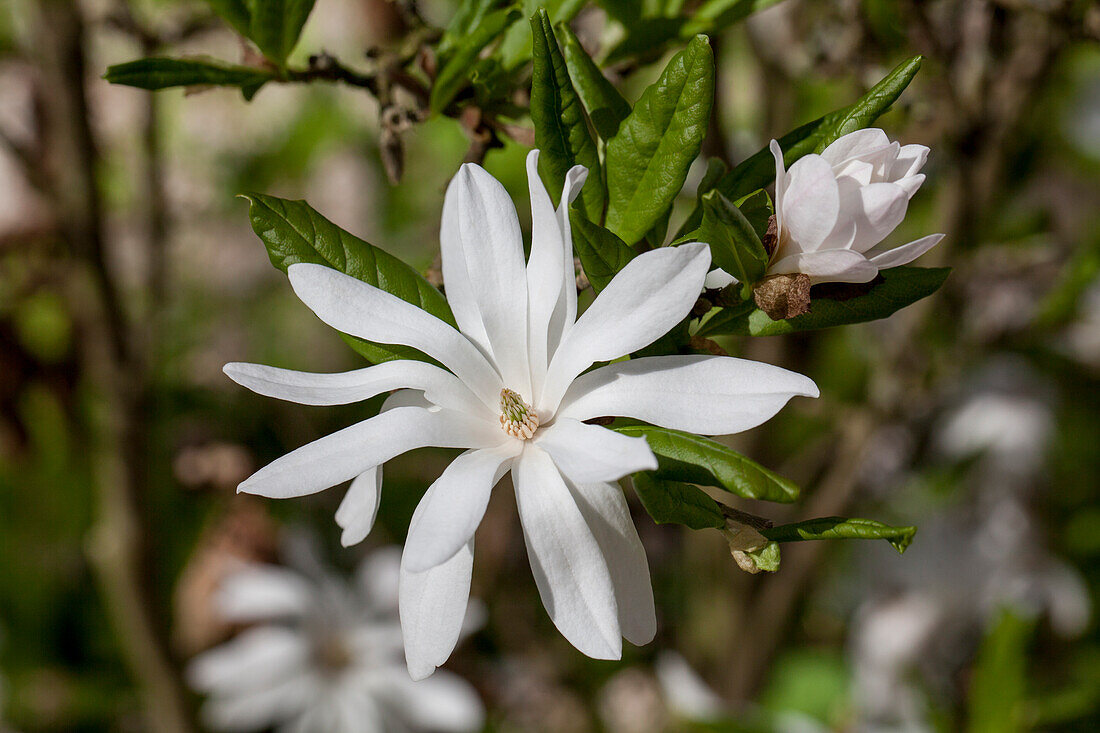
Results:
<point x="322" y="655"/>
<point x="514" y="392"/>
<point x="833" y="209"/>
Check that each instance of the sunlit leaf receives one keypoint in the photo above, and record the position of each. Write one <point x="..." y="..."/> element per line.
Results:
<point x="841" y="528"/>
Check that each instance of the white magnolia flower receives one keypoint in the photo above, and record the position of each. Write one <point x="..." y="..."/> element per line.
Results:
<point x="832" y="210"/>
<point x="325" y="657"/>
<point x="513" y="391"/>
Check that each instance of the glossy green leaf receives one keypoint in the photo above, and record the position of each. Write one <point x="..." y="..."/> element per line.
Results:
<point x="162" y="73"/>
<point x="673" y="502"/>
<point x="900" y="286"/>
<point x="561" y="129"/>
<point x="648" y="160"/>
<point x="734" y="243"/>
<point x="275" y="26"/>
<point x="871" y="105"/>
<point x="698" y="460"/>
<point x="841" y="528"/>
<point x="455" y="73"/>
<point x="515" y="48"/>
<point x="294" y="232"/>
<point x="602" y="254"/>
<point x="605" y="105"/>
<point x="234" y="12"/>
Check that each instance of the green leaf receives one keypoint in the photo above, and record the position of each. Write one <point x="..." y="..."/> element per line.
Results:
<point x="294" y="232"/>
<point x="698" y="460"/>
<point x="467" y="16"/>
<point x="561" y="130"/>
<point x="715" y="15"/>
<point x="234" y="12"/>
<point x="276" y="25"/>
<point x="647" y="37"/>
<point x="872" y="104"/>
<point x="900" y="286"/>
<point x="605" y="105"/>
<point x="840" y="528"/>
<point x="455" y="73"/>
<point x="734" y="244"/>
<point x="602" y="254"/>
<point x="648" y="160"/>
<point x="515" y="48"/>
<point x="673" y="502"/>
<point x="162" y="73"/>
<point x="767" y="557"/>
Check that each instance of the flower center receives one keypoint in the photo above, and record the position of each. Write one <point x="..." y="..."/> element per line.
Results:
<point x="517" y="418"/>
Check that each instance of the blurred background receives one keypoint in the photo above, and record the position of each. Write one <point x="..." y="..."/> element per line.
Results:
<point x="129" y="275"/>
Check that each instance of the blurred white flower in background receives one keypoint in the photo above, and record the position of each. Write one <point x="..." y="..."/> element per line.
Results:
<point x="515" y="392"/>
<point x="323" y="656"/>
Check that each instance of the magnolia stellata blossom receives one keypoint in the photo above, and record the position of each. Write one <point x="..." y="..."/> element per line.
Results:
<point x="833" y="210"/>
<point x="324" y="655"/>
<point x="513" y="391"/>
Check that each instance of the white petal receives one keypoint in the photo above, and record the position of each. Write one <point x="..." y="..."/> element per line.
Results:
<point x="433" y="607"/>
<point x="257" y="592"/>
<point x="362" y="310"/>
<point x="848" y="217"/>
<point x="881" y="208"/>
<point x="566" y="312"/>
<point x="780" y="182"/>
<point x="349" y="452"/>
<point x="544" y="271"/>
<point x="261" y="707"/>
<point x="712" y="395"/>
<point x="587" y="453"/>
<point x="718" y="279"/>
<point x="568" y="565"/>
<point x="832" y="265"/>
<point x="649" y="296"/>
<point x="492" y="248"/>
<point x="452" y="507"/>
<point x="604" y="508"/>
<point x="456" y="278"/>
<point x="911" y="184"/>
<point x="443" y="702"/>
<point x="904" y="254"/>
<point x="855" y="144"/>
<point x="257" y="658"/>
<point x="357" y="511"/>
<point x="811" y="202"/>
<point x="910" y="160"/>
<point x="306" y="388"/>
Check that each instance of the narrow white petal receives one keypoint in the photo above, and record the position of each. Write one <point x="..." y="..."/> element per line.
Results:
<point x="811" y="202"/>
<point x="904" y="254"/>
<point x="261" y="708"/>
<point x="357" y="511"/>
<point x="566" y="312"/>
<point x="586" y="453"/>
<point x="349" y="452"/>
<point x="493" y="250"/>
<point x="257" y="592"/>
<point x="566" y="560"/>
<point x="604" y="508"/>
<point x="433" y="607"/>
<point x="452" y="507"/>
<point x="718" y="279"/>
<point x="444" y="702"/>
<point x="911" y="184"/>
<point x="257" y="658"/>
<point x="910" y="160"/>
<point x="855" y="144"/>
<point x="881" y="208"/>
<point x="377" y="577"/>
<point x="712" y="395"/>
<point x="833" y="265"/>
<point x="362" y="310"/>
<point x="649" y="296"/>
<point x="306" y="388"/>
<point x="456" y="277"/>
<point x="780" y="183"/>
<point x="544" y="272"/>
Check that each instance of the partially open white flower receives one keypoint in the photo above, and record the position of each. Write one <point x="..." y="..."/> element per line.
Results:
<point x="834" y="209"/>
<point x="323" y="655"/>
<point x="515" y="393"/>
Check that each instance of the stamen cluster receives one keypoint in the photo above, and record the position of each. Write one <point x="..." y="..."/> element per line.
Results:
<point x="517" y="418"/>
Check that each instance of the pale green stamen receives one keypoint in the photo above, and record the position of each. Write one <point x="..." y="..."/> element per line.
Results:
<point x="517" y="418"/>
